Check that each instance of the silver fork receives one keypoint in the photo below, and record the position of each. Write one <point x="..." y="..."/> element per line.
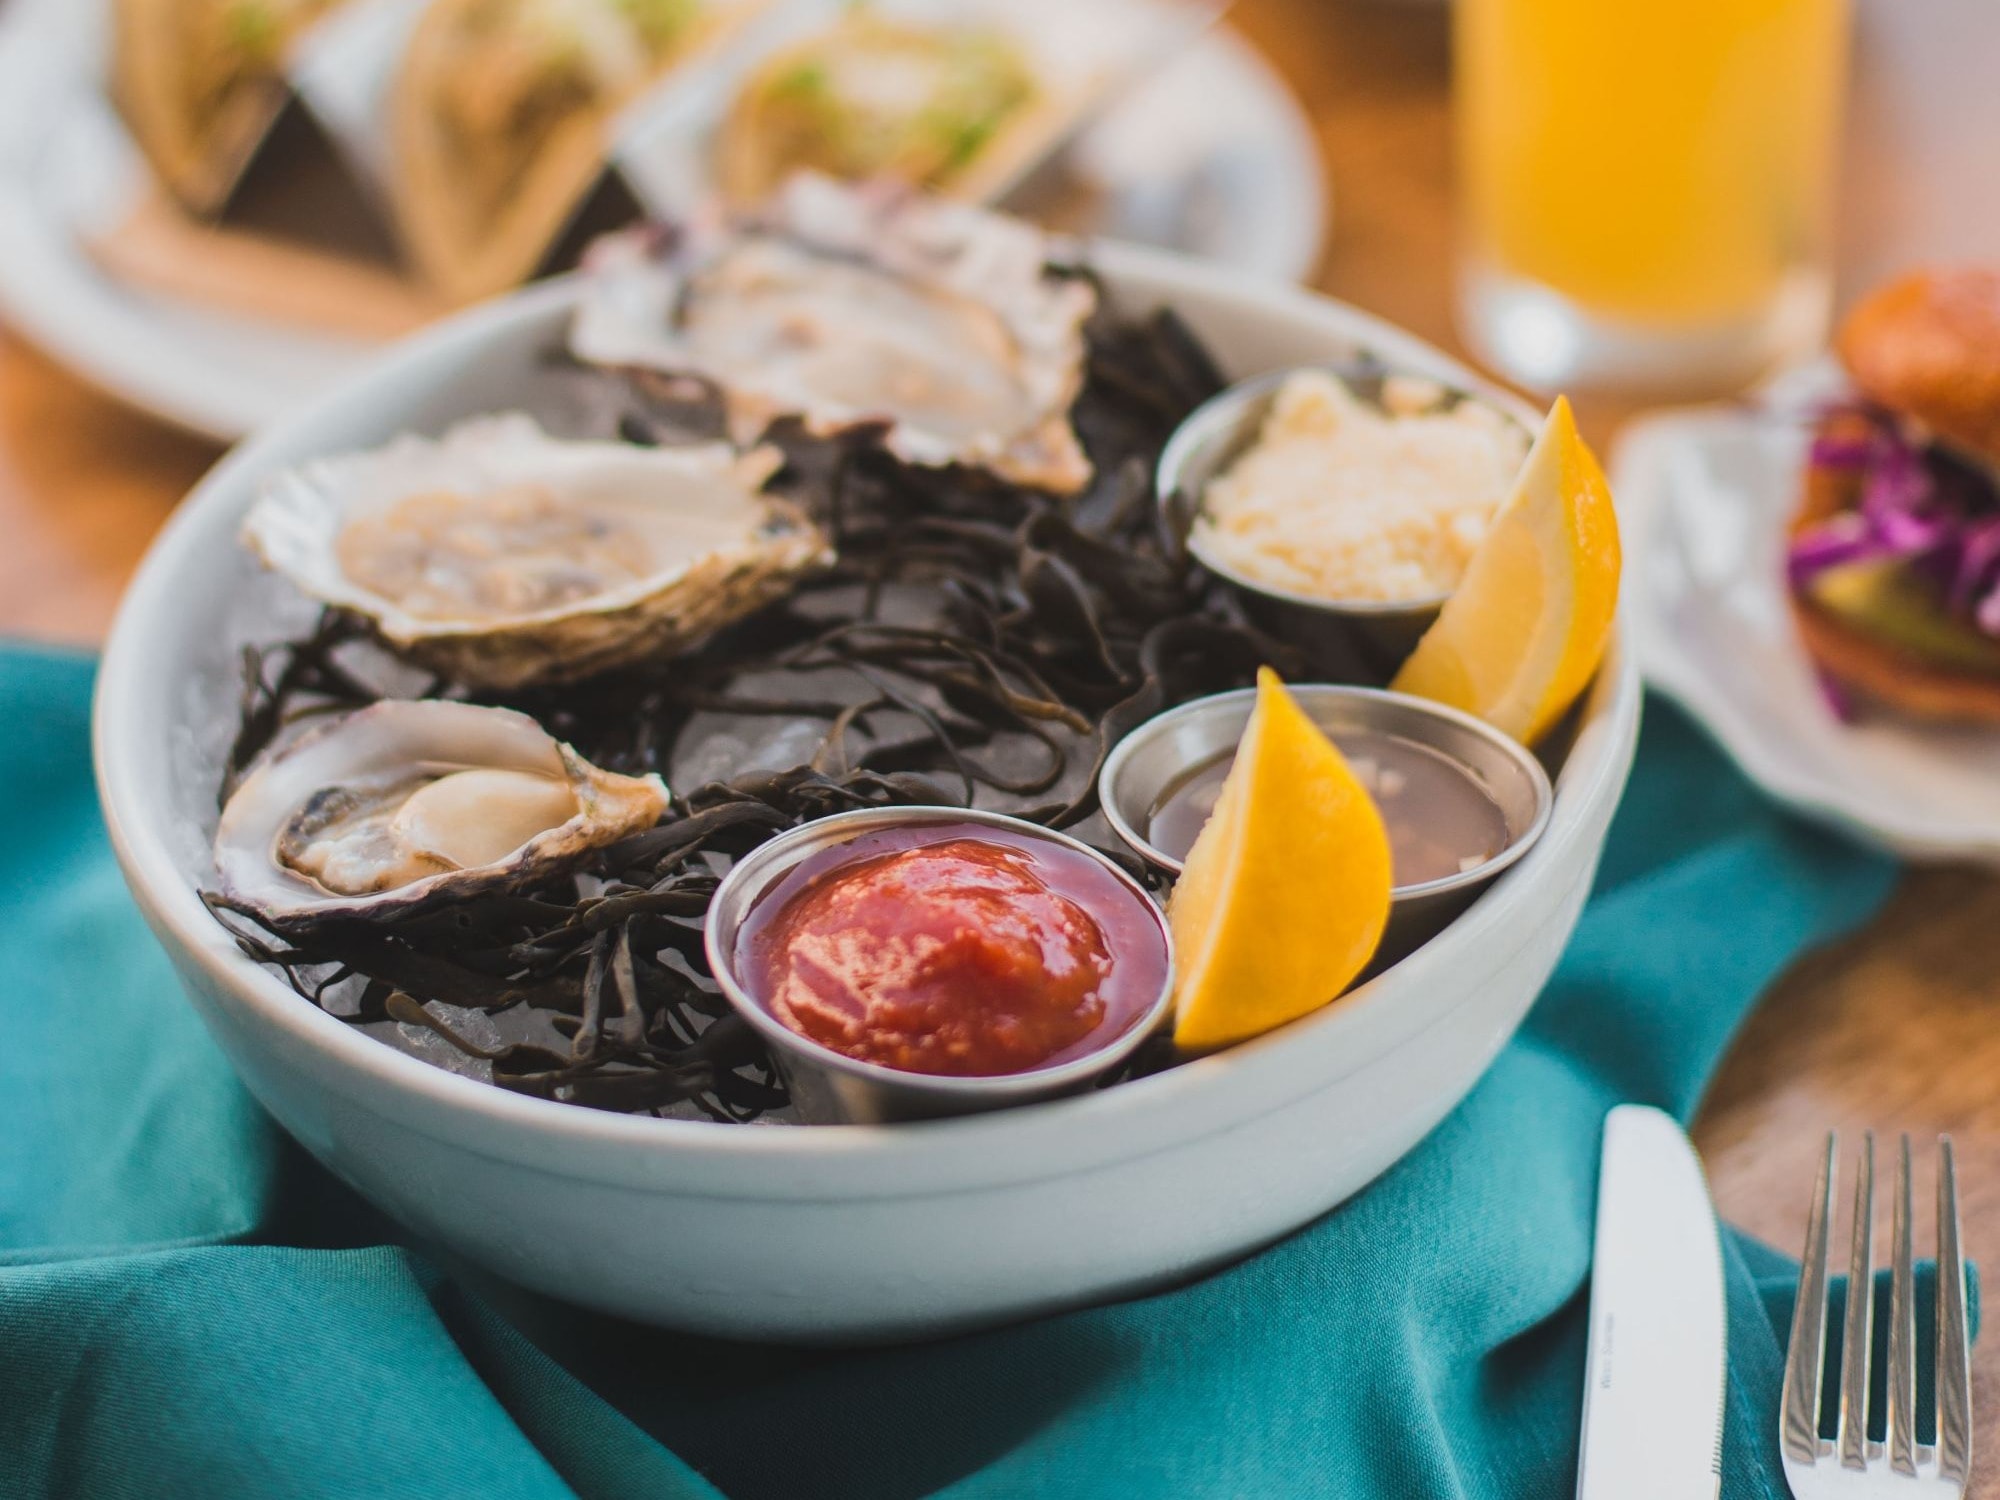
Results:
<point x="1851" y="1465"/>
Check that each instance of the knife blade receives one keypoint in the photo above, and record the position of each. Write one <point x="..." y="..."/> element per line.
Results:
<point x="1655" y="1374"/>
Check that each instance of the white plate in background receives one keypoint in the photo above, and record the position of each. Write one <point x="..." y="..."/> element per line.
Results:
<point x="1705" y="495"/>
<point x="1213" y="158"/>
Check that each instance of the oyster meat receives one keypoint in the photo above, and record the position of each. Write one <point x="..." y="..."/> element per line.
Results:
<point x="503" y="557"/>
<point x="409" y="800"/>
<point x="848" y="307"/>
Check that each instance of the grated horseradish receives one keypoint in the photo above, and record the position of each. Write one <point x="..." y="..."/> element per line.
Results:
<point x="1343" y="500"/>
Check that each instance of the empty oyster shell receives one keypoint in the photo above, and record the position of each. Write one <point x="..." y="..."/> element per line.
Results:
<point x="848" y="307"/>
<point x="501" y="556"/>
<point x="406" y="801"/>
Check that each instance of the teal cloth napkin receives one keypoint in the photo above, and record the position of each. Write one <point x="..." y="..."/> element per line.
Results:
<point x="189" y="1306"/>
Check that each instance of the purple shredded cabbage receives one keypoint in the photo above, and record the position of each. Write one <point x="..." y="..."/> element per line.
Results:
<point x="1840" y="453"/>
<point x="1974" y="573"/>
<point x="1919" y="504"/>
<point x="1833" y="692"/>
<point x="1843" y="539"/>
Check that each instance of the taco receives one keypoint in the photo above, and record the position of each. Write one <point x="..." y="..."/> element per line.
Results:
<point x="200" y="84"/>
<point x="500" y="125"/>
<point x="948" y="107"/>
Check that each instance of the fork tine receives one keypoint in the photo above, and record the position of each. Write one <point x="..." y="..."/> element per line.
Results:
<point x="1805" y="1355"/>
<point x="1954" y="1334"/>
<point x="1902" y="1423"/>
<point x="1852" y="1433"/>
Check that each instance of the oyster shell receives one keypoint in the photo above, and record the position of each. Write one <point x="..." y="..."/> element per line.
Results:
<point x="410" y="800"/>
<point x="849" y="307"/>
<point x="503" y="557"/>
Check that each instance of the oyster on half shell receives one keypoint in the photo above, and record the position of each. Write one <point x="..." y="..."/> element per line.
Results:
<point x="409" y="800"/>
<point x="846" y="307"/>
<point x="503" y="557"/>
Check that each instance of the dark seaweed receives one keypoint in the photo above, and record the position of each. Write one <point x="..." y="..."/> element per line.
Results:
<point x="977" y="643"/>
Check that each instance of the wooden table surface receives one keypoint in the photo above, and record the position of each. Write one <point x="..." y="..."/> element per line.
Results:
<point x="1892" y="1030"/>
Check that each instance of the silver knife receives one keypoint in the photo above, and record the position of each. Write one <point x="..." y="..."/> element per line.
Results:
<point x="1655" y="1374"/>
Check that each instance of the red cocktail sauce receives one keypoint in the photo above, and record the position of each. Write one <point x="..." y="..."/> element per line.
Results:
<point x="954" y="948"/>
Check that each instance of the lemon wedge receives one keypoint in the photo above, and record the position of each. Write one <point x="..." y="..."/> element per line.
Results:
<point x="1286" y="891"/>
<point x="1528" y="624"/>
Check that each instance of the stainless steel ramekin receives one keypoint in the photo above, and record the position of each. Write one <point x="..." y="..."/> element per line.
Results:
<point x="1352" y="639"/>
<point x="830" y="1088"/>
<point x="1149" y="760"/>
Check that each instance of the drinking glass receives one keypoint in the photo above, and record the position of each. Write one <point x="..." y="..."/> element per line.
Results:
<point x="1645" y="187"/>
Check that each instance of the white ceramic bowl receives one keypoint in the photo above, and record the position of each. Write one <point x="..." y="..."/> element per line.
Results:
<point x="836" y="1232"/>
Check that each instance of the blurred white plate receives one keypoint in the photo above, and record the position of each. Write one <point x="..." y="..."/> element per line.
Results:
<point x="1213" y="158"/>
<point x="1705" y="495"/>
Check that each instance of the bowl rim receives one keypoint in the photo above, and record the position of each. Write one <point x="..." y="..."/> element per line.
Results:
<point x="1487" y="870"/>
<point x="479" y="1117"/>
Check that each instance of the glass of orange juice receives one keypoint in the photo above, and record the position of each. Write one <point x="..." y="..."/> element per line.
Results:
<point x="1645" y="186"/>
